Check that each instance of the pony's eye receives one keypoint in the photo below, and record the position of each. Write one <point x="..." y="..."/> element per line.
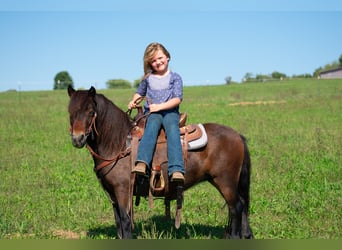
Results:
<point x="91" y="113"/>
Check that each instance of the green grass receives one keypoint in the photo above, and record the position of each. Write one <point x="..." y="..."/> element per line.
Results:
<point x="48" y="188"/>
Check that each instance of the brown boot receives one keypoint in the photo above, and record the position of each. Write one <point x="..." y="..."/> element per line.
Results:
<point x="140" y="168"/>
<point x="177" y="176"/>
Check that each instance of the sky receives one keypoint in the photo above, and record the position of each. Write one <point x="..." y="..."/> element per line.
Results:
<point x="96" y="41"/>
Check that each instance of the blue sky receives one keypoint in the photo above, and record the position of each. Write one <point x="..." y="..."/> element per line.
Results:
<point x="208" y="40"/>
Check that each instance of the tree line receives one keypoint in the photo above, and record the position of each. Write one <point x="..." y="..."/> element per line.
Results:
<point x="250" y="77"/>
<point x="63" y="79"/>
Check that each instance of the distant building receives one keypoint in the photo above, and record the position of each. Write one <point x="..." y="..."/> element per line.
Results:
<point x="331" y="74"/>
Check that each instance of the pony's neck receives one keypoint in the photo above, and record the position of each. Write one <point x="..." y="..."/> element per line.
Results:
<point x="113" y="126"/>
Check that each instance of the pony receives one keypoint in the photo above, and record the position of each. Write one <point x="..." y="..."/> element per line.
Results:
<point x="106" y="130"/>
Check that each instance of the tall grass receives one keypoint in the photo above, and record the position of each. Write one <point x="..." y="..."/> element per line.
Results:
<point x="48" y="188"/>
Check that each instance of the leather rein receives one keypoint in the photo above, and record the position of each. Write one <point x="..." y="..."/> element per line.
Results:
<point x="121" y="154"/>
<point x="105" y="162"/>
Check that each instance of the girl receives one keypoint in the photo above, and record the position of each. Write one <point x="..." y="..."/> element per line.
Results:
<point x="163" y="90"/>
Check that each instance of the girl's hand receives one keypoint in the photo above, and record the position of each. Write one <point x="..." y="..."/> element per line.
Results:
<point x="154" y="108"/>
<point x="136" y="99"/>
<point x="132" y="105"/>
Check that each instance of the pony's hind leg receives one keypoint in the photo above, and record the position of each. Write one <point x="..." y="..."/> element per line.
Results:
<point x="233" y="230"/>
<point x="228" y="189"/>
<point x="246" y="231"/>
<point x="238" y="226"/>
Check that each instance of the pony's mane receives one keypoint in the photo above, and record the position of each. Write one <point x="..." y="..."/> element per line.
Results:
<point x="112" y="123"/>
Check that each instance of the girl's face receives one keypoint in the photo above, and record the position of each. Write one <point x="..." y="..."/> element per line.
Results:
<point x="159" y="63"/>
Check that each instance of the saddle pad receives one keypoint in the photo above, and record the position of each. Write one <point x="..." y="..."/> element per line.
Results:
<point x="201" y="142"/>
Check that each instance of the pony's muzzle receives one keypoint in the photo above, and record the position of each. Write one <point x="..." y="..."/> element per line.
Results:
<point x="78" y="141"/>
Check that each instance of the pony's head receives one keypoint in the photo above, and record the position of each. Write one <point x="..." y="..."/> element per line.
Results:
<point x="82" y="114"/>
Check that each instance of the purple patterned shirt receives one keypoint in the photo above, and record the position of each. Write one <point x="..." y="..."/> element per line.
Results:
<point x="159" y="90"/>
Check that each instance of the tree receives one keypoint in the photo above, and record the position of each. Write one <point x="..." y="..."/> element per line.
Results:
<point x="118" y="84"/>
<point x="262" y="77"/>
<point x="278" y="75"/>
<point x="248" y="76"/>
<point x="63" y="80"/>
<point x="317" y="72"/>
<point x="228" y="79"/>
<point x="305" y="75"/>
<point x="340" y="60"/>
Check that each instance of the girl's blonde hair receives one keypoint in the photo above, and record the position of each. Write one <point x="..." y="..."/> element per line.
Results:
<point x="150" y="51"/>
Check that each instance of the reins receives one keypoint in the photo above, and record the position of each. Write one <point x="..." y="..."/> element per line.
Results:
<point x="122" y="153"/>
<point x="107" y="162"/>
<point x="136" y="102"/>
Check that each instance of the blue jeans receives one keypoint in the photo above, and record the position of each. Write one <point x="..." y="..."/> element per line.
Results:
<point x="169" y="120"/>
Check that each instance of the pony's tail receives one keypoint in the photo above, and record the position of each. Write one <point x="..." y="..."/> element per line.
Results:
<point x="245" y="174"/>
<point x="243" y="189"/>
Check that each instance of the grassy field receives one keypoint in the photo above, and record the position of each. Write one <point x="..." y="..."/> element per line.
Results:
<point x="48" y="188"/>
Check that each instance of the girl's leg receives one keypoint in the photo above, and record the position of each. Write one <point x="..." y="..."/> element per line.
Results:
<point x="174" y="146"/>
<point x="148" y="142"/>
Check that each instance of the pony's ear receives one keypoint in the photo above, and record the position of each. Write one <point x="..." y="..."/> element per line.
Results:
<point x="70" y="90"/>
<point x="92" y="91"/>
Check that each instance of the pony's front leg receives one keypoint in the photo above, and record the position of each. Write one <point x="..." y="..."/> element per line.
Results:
<point x="123" y="222"/>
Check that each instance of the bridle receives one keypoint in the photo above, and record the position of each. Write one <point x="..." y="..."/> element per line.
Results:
<point x="91" y="125"/>
<point x="90" y="128"/>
